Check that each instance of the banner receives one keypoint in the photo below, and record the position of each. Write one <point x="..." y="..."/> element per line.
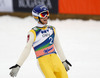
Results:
<point x="27" y="5"/>
<point x="88" y="7"/>
<point x="6" y="6"/>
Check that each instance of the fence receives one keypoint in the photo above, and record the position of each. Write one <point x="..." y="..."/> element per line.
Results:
<point x="62" y="9"/>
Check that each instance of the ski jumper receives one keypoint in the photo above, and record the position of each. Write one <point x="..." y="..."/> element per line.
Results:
<point x="44" y="48"/>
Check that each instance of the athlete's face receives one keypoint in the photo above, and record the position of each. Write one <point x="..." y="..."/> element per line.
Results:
<point x="44" y="20"/>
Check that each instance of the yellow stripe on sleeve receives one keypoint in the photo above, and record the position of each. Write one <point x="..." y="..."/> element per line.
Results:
<point x="34" y="34"/>
<point x="54" y="30"/>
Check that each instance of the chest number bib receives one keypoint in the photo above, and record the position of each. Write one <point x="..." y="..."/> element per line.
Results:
<point x="44" y="43"/>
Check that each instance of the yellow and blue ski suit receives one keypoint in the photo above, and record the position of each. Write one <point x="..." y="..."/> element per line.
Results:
<point x="46" y="54"/>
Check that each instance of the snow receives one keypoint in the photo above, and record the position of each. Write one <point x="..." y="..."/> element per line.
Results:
<point x="80" y="41"/>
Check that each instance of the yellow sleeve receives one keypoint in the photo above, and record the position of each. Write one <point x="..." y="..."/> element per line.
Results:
<point x="54" y="30"/>
<point x="34" y="34"/>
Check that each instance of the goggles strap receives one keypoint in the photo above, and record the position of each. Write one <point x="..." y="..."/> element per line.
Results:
<point x="40" y="20"/>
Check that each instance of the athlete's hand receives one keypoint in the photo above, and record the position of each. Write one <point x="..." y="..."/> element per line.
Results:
<point x="14" y="70"/>
<point x="66" y="64"/>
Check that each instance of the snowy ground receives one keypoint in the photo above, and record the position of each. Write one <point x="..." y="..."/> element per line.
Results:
<point x="80" y="41"/>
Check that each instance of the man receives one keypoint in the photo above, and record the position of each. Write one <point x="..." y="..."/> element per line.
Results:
<point x="44" y="40"/>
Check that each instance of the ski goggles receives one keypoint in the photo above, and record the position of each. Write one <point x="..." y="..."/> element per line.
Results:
<point x="44" y="14"/>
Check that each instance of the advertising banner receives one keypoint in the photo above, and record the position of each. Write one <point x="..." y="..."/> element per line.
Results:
<point x="27" y="5"/>
<point x="89" y="7"/>
<point x="6" y="6"/>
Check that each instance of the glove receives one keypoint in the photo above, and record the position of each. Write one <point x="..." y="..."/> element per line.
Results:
<point x="66" y="65"/>
<point x="14" y="70"/>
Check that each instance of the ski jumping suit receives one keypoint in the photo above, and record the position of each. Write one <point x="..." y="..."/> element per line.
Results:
<point x="43" y="45"/>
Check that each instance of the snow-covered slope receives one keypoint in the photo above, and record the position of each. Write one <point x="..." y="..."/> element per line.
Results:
<point x="80" y="41"/>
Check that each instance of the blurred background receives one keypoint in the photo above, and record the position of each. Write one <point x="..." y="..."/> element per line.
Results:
<point x="77" y="24"/>
<point x="62" y="9"/>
